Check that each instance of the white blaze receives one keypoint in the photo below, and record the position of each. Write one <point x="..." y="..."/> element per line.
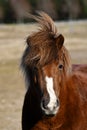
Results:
<point x="52" y="95"/>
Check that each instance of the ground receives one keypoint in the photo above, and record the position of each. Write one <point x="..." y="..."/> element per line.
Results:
<point x="12" y="45"/>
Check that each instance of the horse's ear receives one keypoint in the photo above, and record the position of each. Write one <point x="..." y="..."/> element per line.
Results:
<point x="59" y="41"/>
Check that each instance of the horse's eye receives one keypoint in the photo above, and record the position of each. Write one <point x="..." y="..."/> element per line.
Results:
<point x="60" y="66"/>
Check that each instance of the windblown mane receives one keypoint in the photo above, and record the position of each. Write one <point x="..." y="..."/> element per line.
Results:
<point x="46" y="44"/>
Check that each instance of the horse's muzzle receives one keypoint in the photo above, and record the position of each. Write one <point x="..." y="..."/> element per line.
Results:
<point x="50" y="109"/>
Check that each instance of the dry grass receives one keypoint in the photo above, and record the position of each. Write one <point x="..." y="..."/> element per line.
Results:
<point x="11" y="95"/>
<point x="12" y="44"/>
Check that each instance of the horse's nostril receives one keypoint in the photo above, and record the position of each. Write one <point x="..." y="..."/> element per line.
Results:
<point x="45" y="103"/>
<point x="57" y="102"/>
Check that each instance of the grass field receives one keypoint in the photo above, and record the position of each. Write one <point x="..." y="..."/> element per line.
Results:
<point x="12" y="44"/>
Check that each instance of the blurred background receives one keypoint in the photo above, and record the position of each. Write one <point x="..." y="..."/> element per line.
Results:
<point x="70" y="18"/>
<point x="13" y="10"/>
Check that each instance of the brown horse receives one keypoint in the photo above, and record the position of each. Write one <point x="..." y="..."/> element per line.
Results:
<point x="79" y="67"/>
<point x="56" y="97"/>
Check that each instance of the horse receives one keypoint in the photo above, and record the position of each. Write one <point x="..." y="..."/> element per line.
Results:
<point x="56" y="95"/>
<point x="80" y="67"/>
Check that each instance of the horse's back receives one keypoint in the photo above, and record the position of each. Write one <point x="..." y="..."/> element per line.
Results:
<point x="80" y="70"/>
<point x="80" y="67"/>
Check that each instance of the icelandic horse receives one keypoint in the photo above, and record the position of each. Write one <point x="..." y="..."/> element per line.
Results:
<point x="56" y="96"/>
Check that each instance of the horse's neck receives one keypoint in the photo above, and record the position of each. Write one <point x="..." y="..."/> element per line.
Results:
<point x="69" y="100"/>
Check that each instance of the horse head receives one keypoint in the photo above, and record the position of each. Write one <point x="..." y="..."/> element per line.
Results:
<point x="47" y="54"/>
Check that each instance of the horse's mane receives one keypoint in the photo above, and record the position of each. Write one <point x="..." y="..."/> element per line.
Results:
<point x="46" y="44"/>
